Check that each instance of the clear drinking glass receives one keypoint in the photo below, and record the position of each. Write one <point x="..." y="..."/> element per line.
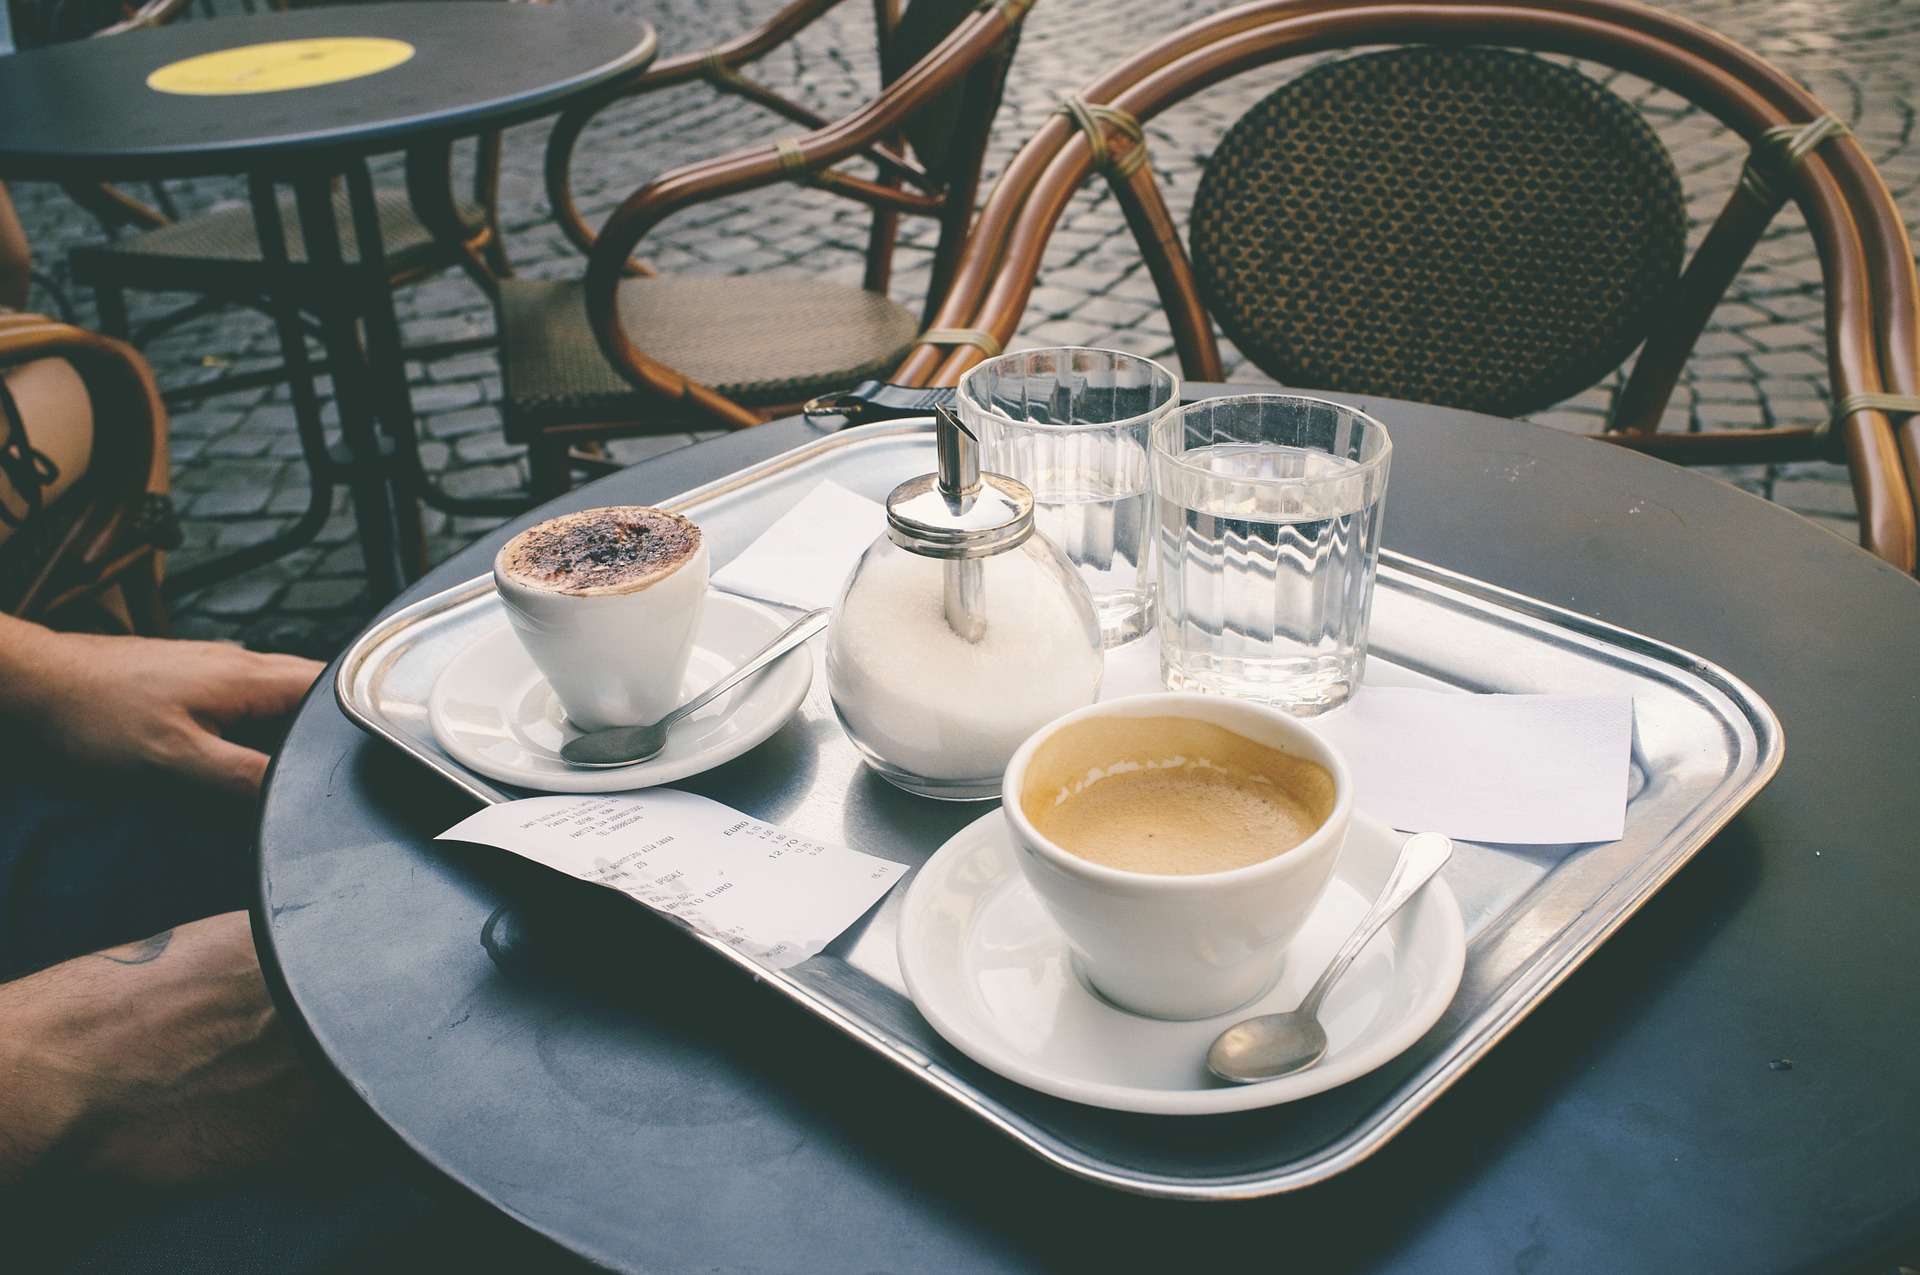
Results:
<point x="1074" y="426"/>
<point x="1267" y="526"/>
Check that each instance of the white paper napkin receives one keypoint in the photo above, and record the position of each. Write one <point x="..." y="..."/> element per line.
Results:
<point x="803" y="560"/>
<point x="1514" y="769"/>
<point x="1518" y="769"/>
<point x="1133" y="669"/>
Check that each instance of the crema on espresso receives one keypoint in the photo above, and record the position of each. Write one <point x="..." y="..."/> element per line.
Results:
<point x="1171" y="795"/>
<point x="619" y="549"/>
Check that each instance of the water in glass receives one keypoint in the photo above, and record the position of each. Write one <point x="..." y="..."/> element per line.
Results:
<point x="1092" y="498"/>
<point x="1074" y="426"/>
<point x="1267" y="554"/>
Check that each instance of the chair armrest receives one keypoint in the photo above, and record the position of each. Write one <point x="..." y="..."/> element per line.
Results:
<point x="715" y="63"/>
<point x="151" y="14"/>
<point x="796" y="158"/>
<point x="113" y="207"/>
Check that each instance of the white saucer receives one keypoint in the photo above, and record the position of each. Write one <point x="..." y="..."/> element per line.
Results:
<point x="495" y="714"/>
<point x="990" y="971"/>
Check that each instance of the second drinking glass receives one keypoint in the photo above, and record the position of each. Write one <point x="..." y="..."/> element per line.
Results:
<point x="1268" y="533"/>
<point x="1074" y="425"/>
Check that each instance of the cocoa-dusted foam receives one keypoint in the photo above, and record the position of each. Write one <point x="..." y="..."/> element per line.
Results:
<point x="620" y="549"/>
<point x="1173" y="796"/>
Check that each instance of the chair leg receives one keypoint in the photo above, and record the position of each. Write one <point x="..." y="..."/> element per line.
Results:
<point x="411" y="530"/>
<point x="549" y="470"/>
<point x="591" y="459"/>
<point x="111" y="301"/>
<point x="140" y="591"/>
<point x="495" y="252"/>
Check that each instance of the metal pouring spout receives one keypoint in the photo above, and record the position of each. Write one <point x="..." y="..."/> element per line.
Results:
<point x="959" y="479"/>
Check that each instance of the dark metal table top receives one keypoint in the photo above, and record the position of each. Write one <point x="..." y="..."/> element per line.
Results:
<point x="85" y="109"/>
<point x="1645" y="1118"/>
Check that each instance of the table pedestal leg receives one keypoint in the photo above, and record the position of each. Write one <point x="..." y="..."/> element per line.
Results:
<point x="387" y="364"/>
<point x="355" y="391"/>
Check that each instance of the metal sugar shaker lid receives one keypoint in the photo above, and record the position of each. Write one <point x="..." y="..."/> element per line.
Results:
<point x="959" y="512"/>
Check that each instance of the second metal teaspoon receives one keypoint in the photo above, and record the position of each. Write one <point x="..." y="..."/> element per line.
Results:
<point x="628" y="745"/>
<point x="1275" y="1045"/>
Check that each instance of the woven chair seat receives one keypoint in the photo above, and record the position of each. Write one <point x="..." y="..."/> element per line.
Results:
<point x="226" y="237"/>
<point x="1471" y="227"/>
<point x="761" y="341"/>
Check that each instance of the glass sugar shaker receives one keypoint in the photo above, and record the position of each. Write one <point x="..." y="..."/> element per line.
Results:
<point x="961" y="631"/>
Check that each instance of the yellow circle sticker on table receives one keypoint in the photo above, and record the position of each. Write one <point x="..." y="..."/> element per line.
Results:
<point x="280" y="65"/>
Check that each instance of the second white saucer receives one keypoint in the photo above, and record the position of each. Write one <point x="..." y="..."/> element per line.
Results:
<point x="495" y="714"/>
<point x="990" y="970"/>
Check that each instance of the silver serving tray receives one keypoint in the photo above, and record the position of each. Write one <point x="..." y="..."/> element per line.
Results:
<point x="1704" y="744"/>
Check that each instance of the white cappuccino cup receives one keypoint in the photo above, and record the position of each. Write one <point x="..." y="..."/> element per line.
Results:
<point x="607" y="602"/>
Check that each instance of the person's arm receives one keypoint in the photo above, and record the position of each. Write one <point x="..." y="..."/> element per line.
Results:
<point x="144" y="704"/>
<point x="161" y="1061"/>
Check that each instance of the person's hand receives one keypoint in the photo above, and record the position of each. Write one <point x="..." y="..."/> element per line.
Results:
<point x="133" y="704"/>
<point x="161" y="1061"/>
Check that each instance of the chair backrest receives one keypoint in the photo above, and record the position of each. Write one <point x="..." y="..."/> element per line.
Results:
<point x="1465" y="226"/>
<point x="943" y="102"/>
<point x="1873" y="301"/>
<point x="948" y="135"/>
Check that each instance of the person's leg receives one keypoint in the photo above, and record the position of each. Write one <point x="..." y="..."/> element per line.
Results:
<point x="351" y="1216"/>
<point x="90" y="863"/>
<point x="86" y="865"/>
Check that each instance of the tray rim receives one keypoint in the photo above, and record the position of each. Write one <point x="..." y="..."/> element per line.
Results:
<point x="1609" y="911"/>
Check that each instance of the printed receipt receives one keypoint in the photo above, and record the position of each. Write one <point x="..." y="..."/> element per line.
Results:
<point x="774" y="896"/>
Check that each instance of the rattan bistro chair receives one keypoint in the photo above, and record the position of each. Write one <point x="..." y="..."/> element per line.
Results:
<point x="626" y="351"/>
<point x="80" y="541"/>
<point x="1458" y="221"/>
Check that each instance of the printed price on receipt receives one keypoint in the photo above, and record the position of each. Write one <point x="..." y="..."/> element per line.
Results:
<point x="772" y="895"/>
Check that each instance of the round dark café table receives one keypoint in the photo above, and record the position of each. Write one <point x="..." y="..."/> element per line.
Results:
<point x="1644" y="1118"/>
<point x="302" y="97"/>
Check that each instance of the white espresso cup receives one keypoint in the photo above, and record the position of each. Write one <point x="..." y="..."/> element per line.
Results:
<point x="606" y="602"/>
<point x="1186" y="944"/>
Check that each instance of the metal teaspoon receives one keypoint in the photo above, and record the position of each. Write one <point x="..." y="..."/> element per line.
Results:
<point x="628" y="745"/>
<point x="1275" y="1045"/>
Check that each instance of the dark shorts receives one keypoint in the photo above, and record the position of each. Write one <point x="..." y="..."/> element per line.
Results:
<point x="85" y="866"/>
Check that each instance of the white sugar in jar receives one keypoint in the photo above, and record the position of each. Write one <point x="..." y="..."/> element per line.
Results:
<point x="961" y="632"/>
<point x="938" y="714"/>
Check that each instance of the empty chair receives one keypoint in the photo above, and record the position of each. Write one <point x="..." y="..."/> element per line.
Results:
<point x="626" y="351"/>
<point x="84" y="510"/>
<point x="1459" y="220"/>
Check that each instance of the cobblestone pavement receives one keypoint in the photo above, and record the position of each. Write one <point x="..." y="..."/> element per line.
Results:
<point x="238" y="474"/>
